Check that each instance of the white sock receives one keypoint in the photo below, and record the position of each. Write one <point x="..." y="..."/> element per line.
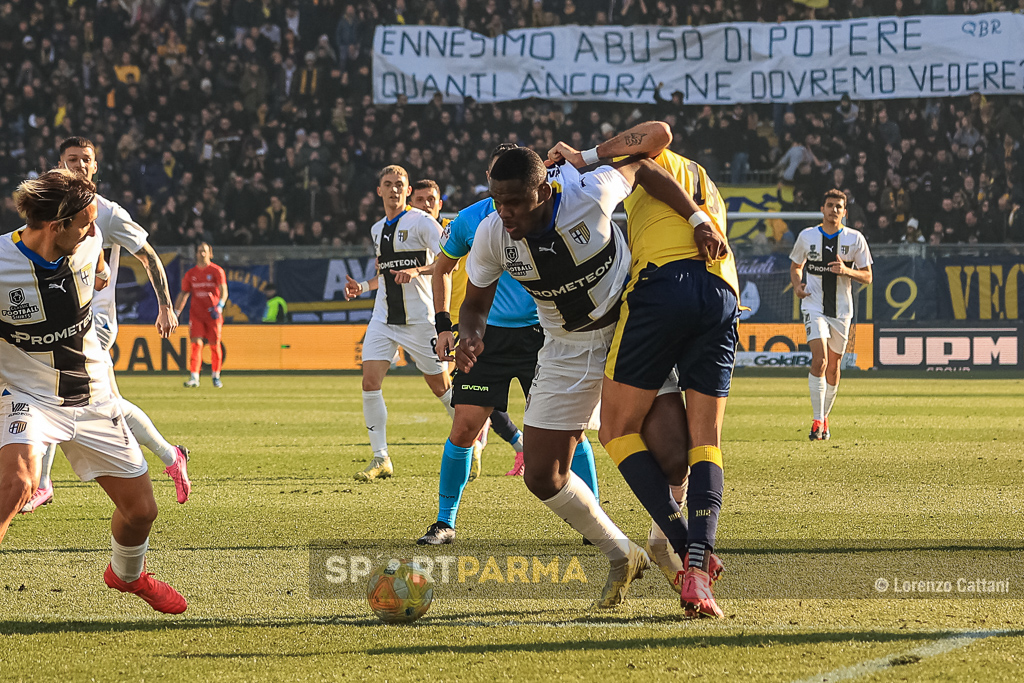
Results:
<point x="44" y="475"/>
<point x="518" y="443"/>
<point x="817" y="386"/>
<point x="830" y="397"/>
<point x="146" y="432"/>
<point x="376" y="415"/>
<point x="194" y="376"/>
<point x="446" y="401"/>
<point x="576" y="504"/>
<point x="216" y="375"/>
<point x="127" y="561"/>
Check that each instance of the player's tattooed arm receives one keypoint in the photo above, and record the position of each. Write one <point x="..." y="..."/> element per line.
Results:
<point x="644" y="140"/>
<point x="647" y="139"/>
<point x="167" y="320"/>
<point x="634" y="139"/>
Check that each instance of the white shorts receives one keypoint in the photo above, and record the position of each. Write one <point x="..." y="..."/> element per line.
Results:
<point x="382" y="341"/>
<point x="566" y="390"/>
<point x="95" y="438"/>
<point x="671" y="385"/>
<point x="106" y="329"/>
<point x="835" y="330"/>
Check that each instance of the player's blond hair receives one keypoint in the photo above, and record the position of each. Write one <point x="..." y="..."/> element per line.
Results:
<point x="393" y="169"/>
<point x="54" y="196"/>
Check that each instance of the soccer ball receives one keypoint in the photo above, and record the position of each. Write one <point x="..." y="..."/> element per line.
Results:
<point x="399" y="592"/>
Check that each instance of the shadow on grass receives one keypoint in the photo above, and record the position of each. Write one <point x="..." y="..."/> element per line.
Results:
<point x="239" y="655"/>
<point x="641" y="642"/>
<point x="30" y="628"/>
<point x="742" y="640"/>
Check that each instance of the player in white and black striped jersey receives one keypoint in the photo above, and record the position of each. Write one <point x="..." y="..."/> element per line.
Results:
<point x="826" y="260"/>
<point x="120" y="231"/>
<point x="406" y="240"/>
<point x="58" y="379"/>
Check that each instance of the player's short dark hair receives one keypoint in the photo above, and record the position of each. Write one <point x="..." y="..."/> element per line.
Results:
<point x="426" y="184"/>
<point x="834" y="193"/>
<point x="498" y="151"/>
<point x="76" y="141"/>
<point x="200" y="245"/>
<point x="392" y="169"/>
<point x="56" y="195"/>
<point x="520" y="163"/>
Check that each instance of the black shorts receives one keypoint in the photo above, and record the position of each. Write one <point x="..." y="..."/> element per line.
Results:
<point x="509" y="352"/>
<point x="676" y="315"/>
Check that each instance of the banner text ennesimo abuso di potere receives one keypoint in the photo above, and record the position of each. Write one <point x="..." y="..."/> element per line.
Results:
<point x="800" y="61"/>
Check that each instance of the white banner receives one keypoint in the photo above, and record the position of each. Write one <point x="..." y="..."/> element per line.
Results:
<point x="799" y="61"/>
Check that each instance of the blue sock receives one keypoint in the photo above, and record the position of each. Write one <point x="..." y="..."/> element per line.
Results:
<point x="584" y="467"/>
<point x="455" y="464"/>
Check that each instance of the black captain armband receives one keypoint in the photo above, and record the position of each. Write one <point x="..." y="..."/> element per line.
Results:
<point x="443" y="322"/>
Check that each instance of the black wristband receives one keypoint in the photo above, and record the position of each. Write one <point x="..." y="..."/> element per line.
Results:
<point x="443" y="322"/>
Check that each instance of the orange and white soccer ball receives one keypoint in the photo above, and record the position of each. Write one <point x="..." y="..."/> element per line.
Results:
<point x="400" y="592"/>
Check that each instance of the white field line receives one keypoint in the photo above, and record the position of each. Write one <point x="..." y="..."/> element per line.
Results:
<point x="873" y="666"/>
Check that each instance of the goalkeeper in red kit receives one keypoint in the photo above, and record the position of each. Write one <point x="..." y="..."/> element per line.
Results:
<point x="208" y="286"/>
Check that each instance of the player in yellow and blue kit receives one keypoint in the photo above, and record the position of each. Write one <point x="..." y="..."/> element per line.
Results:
<point x="514" y="337"/>
<point x="679" y="310"/>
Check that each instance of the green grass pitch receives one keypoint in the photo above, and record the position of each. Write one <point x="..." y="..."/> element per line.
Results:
<point x="273" y="458"/>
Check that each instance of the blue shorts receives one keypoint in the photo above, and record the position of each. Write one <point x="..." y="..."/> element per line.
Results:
<point x="676" y="315"/>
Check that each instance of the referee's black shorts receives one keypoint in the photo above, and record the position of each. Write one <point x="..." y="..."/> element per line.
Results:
<point x="509" y="352"/>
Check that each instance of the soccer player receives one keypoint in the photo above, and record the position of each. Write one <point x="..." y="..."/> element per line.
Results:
<point x="426" y="196"/>
<point x="514" y="338"/>
<point x="406" y="242"/>
<point x="679" y="311"/>
<point x="559" y="242"/>
<point x="119" y="230"/>
<point x="58" y="378"/>
<point x="830" y="257"/>
<point x="208" y="286"/>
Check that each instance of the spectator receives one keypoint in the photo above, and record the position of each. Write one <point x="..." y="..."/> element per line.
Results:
<point x="277" y="308"/>
<point x="911" y="234"/>
<point x="183" y="98"/>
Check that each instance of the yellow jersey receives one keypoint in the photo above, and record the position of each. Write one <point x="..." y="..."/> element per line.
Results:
<point x="659" y="235"/>
<point x="459" y="282"/>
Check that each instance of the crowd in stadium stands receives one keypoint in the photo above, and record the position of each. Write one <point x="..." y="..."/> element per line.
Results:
<point x="250" y="122"/>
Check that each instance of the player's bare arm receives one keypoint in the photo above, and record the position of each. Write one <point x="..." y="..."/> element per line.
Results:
<point x="660" y="184"/>
<point x="167" y="319"/>
<point x="444" y="266"/>
<point x="354" y="288"/>
<point x="473" y="323"/>
<point x="861" y="275"/>
<point x="796" y="277"/>
<point x="407" y="275"/>
<point x="102" y="274"/>
<point x="179" y="304"/>
<point x="645" y="139"/>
